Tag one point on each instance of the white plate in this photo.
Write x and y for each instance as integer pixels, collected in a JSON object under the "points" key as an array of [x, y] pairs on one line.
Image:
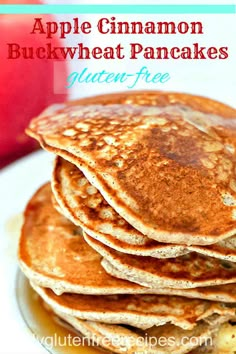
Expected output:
{"points": [[17, 183]]}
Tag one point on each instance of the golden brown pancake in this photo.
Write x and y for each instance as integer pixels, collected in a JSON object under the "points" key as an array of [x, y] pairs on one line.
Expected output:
{"points": [[53, 254], [168, 171], [85, 206], [141, 311], [188, 271]]}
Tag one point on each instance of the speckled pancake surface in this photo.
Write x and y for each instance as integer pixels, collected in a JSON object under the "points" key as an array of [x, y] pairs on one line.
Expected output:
{"points": [[85, 206], [53, 254], [141, 311], [188, 271]]}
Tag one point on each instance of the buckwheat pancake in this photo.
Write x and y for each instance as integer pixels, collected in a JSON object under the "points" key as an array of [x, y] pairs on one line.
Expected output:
{"points": [[168, 171], [188, 271], [53, 254], [225, 249], [141, 311], [120, 339], [85, 206]]}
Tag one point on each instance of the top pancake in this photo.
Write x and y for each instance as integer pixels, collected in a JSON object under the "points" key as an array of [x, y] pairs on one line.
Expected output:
{"points": [[160, 99], [168, 171]]}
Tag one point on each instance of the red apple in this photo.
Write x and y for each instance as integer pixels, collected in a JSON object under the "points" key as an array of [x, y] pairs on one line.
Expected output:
{"points": [[26, 85]]}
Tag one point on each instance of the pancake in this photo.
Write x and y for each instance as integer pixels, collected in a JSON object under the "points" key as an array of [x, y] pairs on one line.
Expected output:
{"points": [[120, 339], [53, 254], [84, 205], [169, 171], [188, 271], [159, 99], [220, 339], [225, 249], [141, 311]]}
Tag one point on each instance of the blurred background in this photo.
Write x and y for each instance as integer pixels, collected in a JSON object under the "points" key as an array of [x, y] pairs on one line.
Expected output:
{"points": [[29, 86]]}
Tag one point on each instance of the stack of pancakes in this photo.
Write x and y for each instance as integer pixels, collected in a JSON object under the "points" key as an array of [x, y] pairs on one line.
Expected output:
{"points": [[135, 237]]}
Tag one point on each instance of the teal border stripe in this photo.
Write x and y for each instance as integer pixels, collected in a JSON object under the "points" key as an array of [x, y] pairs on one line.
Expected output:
{"points": [[117, 9]]}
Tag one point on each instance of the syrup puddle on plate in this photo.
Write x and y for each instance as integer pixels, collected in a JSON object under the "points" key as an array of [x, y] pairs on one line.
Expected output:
{"points": [[55, 338]]}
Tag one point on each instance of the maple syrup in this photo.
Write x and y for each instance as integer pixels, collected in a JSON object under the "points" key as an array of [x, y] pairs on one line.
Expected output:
{"points": [[42, 325]]}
